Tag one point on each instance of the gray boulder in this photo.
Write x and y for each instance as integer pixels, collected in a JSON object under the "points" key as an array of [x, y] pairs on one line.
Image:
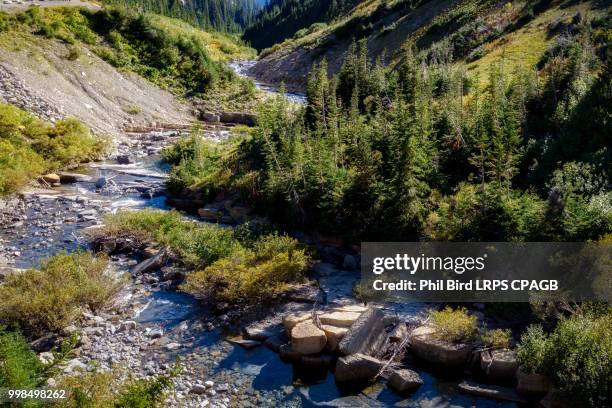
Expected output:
{"points": [[357, 367], [366, 335], [405, 380]]}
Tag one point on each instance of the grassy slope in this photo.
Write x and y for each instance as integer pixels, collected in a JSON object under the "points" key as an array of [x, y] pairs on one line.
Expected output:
{"points": [[393, 32], [221, 47]]}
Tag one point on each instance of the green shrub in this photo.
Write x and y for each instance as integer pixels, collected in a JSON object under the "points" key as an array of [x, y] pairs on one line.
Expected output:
{"points": [[454, 326], [19, 366], [196, 244], [251, 275], [532, 350], [53, 297], [29, 146], [106, 389], [577, 355], [497, 339]]}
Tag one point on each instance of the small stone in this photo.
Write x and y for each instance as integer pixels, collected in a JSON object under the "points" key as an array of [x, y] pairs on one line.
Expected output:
{"points": [[128, 325], [46, 357], [198, 389]]}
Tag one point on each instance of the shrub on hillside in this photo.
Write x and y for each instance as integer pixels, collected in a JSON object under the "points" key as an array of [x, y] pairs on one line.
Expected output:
{"points": [[29, 146], [54, 296], [454, 326]]}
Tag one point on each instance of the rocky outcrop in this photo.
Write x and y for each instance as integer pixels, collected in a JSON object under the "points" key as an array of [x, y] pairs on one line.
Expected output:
{"points": [[439, 352]]}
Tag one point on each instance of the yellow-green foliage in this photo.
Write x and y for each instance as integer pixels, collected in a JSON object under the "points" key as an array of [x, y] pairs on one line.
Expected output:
{"points": [[195, 243], [52, 297], [221, 46], [260, 273], [454, 326], [106, 389], [497, 339], [29, 146], [232, 267]]}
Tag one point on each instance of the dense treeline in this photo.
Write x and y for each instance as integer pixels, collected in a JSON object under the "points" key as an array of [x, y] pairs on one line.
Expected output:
{"points": [[425, 152], [281, 19], [220, 15]]}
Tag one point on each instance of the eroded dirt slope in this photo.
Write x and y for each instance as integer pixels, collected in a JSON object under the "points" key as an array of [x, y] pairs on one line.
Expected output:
{"points": [[41, 78]]}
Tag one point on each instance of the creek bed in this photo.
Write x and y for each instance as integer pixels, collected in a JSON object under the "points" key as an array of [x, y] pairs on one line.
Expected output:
{"points": [[45, 222]]}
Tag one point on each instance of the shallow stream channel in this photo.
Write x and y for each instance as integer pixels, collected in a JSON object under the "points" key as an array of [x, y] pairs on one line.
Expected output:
{"points": [[152, 324]]}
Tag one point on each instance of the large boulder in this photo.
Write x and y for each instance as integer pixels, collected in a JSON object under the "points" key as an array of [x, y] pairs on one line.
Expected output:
{"points": [[291, 320], [307, 338], [357, 367], [499, 364], [439, 352], [532, 383], [405, 380], [340, 318], [366, 335], [334, 336]]}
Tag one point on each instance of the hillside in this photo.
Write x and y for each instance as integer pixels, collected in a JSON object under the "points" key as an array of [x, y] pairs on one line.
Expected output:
{"points": [[110, 78], [282, 19], [219, 15], [475, 32]]}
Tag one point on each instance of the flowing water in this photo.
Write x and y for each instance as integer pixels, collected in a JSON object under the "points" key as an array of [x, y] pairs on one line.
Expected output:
{"points": [[46, 222]]}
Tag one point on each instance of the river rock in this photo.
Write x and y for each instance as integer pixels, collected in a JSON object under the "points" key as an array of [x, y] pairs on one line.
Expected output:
{"points": [[50, 178], [366, 335], [307, 338], [439, 352], [124, 159], [288, 353], [238, 118], [349, 262], [46, 357], [210, 117], [68, 178], [405, 380], [357, 367], [245, 343], [150, 264], [491, 391], [128, 325], [291, 320], [334, 336], [198, 389], [339, 318], [239, 214], [399, 333], [210, 214], [101, 182], [532, 384], [499, 364]]}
